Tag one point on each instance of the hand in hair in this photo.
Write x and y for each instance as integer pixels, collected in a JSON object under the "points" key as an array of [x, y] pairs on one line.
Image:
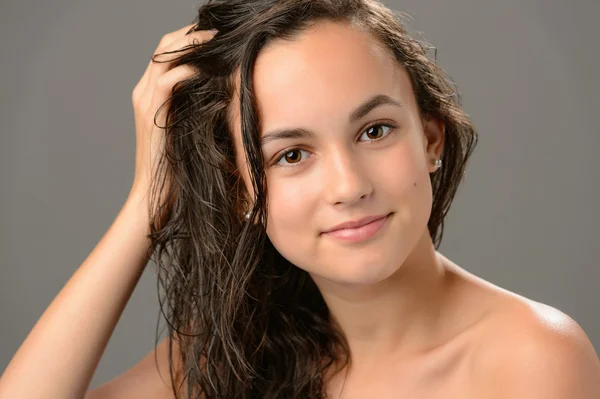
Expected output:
{"points": [[150, 100]]}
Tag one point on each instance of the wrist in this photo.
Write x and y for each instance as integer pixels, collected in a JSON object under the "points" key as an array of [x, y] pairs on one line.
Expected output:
{"points": [[135, 208]]}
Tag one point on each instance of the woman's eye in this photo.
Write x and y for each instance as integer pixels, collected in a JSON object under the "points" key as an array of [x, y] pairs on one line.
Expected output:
{"points": [[375, 130], [292, 156]]}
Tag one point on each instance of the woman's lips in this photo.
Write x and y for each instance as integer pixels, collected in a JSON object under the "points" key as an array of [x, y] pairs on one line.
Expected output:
{"points": [[361, 233]]}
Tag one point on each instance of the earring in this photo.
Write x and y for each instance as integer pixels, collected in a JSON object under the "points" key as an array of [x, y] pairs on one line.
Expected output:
{"points": [[247, 215], [438, 163]]}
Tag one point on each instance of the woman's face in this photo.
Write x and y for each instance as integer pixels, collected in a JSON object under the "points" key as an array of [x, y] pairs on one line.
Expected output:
{"points": [[340, 169]]}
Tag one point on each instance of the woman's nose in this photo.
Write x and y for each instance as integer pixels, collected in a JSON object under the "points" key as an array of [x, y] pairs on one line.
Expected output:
{"points": [[347, 178]]}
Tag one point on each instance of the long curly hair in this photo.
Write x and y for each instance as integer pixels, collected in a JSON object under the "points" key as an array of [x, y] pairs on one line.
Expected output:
{"points": [[248, 323]]}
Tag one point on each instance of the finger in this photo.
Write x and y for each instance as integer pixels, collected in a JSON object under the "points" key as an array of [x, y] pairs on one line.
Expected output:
{"points": [[157, 69], [140, 88], [162, 55], [171, 36], [167, 81], [164, 88]]}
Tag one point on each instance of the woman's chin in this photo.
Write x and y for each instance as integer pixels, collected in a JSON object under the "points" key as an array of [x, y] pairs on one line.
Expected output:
{"points": [[355, 274]]}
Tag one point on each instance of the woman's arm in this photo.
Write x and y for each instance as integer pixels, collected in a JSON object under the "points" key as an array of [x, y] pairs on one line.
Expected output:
{"points": [[59, 356]]}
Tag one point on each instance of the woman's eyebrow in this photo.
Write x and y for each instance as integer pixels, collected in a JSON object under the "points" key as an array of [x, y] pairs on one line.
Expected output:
{"points": [[361, 111]]}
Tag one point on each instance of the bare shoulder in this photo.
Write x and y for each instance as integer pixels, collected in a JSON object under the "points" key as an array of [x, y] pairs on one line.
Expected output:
{"points": [[150, 378], [527, 349], [520, 348]]}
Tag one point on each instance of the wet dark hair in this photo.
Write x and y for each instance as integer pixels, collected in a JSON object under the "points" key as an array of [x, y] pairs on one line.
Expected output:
{"points": [[248, 323]]}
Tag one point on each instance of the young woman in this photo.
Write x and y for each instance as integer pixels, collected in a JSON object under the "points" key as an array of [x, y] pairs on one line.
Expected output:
{"points": [[292, 176]]}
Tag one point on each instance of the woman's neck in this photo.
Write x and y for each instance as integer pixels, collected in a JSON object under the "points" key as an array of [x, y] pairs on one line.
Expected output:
{"points": [[399, 316]]}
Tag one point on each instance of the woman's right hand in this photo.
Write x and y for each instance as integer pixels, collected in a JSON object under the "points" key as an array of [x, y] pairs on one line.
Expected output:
{"points": [[153, 89]]}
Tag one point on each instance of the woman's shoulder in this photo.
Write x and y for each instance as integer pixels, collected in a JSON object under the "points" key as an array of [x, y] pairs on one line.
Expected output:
{"points": [[518, 323], [503, 311], [521, 340]]}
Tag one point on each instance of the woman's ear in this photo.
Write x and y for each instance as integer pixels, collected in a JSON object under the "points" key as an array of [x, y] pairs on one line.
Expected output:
{"points": [[434, 135]]}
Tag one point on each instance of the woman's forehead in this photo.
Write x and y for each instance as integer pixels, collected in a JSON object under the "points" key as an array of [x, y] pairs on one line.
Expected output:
{"points": [[320, 77]]}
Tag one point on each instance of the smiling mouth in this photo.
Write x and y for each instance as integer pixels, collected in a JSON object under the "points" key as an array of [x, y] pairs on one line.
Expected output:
{"points": [[361, 233]]}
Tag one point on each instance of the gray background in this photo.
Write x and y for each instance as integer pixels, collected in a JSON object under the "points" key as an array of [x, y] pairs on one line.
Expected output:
{"points": [[525, 218]]}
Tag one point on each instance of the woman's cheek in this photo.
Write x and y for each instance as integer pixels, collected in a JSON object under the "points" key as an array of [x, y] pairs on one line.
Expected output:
{"points": [[287, 205], [408, 184], [401, 170]]}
